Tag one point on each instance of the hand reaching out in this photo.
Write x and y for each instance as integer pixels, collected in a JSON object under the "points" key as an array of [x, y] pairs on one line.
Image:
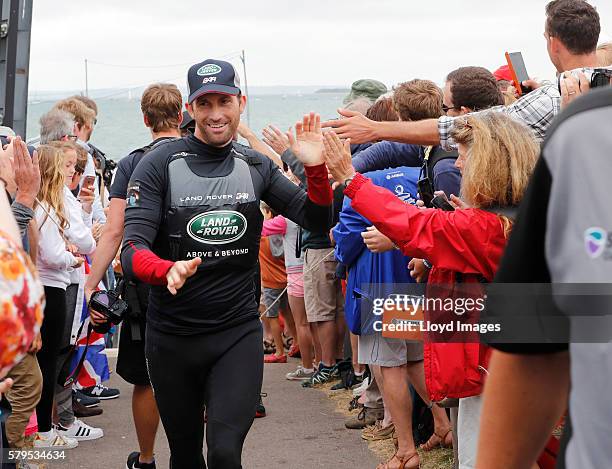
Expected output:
{"points": [[355, 126], [275, 139], [180, 272], [308, 140], [338, 157]]}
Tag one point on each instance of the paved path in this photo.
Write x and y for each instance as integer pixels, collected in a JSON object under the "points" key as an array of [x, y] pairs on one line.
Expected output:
{"points": [[301, 431]]}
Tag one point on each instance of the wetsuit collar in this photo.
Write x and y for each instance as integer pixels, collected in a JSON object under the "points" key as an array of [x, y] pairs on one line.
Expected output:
{"points": [[209, 150]]}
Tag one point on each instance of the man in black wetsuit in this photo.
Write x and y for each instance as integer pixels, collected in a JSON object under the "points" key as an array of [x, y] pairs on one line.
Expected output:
{"points": [[192, 230]]}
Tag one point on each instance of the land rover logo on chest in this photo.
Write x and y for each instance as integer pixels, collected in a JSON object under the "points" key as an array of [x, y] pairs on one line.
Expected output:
{"points": [[219, 227], [208, 69]]}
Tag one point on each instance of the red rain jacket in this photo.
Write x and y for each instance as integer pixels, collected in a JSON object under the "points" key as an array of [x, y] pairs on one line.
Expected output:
{"points": [[469, 241]]}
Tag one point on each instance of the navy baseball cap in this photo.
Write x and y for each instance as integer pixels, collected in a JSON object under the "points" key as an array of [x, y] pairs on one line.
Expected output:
{"points": [[212, 76]]}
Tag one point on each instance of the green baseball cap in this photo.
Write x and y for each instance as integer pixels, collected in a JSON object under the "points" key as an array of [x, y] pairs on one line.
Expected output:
{"points": [[366, 88]]}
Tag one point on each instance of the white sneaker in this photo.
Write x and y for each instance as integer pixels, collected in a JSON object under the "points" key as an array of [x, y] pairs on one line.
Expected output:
{"points": [[300, 374], [54, 441], [80, 431], [359, 390]]}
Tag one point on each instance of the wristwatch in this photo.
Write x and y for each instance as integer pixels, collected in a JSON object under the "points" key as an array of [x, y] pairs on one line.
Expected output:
{"points": [[427, 264], [347, 181]]}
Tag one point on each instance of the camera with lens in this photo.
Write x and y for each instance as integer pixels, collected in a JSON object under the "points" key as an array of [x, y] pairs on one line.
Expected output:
{"points": [[597, 77], [109, 304]]}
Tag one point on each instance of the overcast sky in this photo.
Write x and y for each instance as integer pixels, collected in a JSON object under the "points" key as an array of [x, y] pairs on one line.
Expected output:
{"points": [[331, 42]]}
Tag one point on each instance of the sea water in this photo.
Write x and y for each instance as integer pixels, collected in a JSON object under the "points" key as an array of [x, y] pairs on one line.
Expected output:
{"points": [[120, 128]]}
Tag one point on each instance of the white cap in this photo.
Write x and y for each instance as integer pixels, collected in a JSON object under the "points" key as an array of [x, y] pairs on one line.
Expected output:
{"points": [[6, 131]]}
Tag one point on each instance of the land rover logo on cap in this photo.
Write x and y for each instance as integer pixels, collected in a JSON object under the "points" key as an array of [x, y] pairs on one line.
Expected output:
{"points": [[219, 227], [208, 69]]}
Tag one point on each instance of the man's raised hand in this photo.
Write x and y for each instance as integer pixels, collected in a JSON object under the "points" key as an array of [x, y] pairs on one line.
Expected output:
{"points": [[355, 126], [308, 140], [180, 272]]}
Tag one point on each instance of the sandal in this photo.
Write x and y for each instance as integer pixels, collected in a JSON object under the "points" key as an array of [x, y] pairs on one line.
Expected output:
{"points": [[268, 347], [287, 341], [437, 440], [402, 461]]}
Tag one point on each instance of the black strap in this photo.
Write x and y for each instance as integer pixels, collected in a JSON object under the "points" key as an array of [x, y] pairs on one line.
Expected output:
{"points": [[298, 243], [71, 378], [133, 300], [433, 155]]}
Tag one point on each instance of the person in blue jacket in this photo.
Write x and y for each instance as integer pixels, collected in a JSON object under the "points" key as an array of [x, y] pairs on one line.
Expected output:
{"points": [[373, 276]]}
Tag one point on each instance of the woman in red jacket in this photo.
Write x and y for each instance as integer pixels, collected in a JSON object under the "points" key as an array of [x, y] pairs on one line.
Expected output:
{"points": [[496, 158]]}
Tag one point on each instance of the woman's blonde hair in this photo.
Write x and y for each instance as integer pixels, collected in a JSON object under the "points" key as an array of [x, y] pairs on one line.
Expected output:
{"points": [[604, 55], [51, 193], [501, 156]]}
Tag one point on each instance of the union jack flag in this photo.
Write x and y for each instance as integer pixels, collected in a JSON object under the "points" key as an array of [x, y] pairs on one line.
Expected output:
{"points": [[95, 367]]}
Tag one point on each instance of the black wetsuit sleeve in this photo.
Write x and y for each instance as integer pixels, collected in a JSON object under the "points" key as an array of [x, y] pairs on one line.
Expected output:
{"points": [[293, 202], [118, 189], [295, 165]]}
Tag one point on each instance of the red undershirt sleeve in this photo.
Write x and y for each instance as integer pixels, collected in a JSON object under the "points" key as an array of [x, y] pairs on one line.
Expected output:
{"points": [[319, 190]]}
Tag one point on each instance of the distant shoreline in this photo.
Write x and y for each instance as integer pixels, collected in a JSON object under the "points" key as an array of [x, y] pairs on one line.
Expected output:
{"points": [[333, 90]]}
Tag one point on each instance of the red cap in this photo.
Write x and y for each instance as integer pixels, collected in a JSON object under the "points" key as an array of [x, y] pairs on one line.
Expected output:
{"points": [[503, 73]]}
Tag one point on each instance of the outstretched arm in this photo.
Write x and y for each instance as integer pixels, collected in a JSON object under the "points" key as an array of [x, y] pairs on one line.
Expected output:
{"points": [[245, 132], [360, 129], [312, 210], [448, 239]]}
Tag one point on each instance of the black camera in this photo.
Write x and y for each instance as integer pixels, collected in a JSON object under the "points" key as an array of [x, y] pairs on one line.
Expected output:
{"points": [[111, 306], [597, 77]]}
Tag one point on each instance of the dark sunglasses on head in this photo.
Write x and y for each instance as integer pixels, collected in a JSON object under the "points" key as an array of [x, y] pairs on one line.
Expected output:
{"points": [[446, 108]]}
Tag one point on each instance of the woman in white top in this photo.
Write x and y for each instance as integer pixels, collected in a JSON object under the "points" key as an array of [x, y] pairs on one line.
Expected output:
{"points": [[54, 263], [79, 212]]}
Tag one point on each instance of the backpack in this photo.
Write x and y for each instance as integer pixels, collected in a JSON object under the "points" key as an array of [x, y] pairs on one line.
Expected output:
{"points": [[433, 155]]}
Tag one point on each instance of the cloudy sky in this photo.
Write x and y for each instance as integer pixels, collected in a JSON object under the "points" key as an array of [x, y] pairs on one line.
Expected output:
{"points": [[331, 42]]}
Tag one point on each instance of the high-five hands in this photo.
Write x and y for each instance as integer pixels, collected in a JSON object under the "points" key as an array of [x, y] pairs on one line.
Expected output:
{"points": [[308, 140], [353, 125], [180, 272], [338, 157], [27, 172], [275, 139]]}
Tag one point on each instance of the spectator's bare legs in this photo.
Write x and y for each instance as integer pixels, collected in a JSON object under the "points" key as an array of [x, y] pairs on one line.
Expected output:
{"points": [[146, 420], [326, 331], [302, 327], [357, 367], [289, 323], [532, 389], [316, 342], [399, 403], [380, 382], [267, 335], [340, 331], [416, 375], [277, 335]]}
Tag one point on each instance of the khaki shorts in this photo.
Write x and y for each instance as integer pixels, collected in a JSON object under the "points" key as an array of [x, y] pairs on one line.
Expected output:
{"points": [[374, 349], [322, 291]]}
